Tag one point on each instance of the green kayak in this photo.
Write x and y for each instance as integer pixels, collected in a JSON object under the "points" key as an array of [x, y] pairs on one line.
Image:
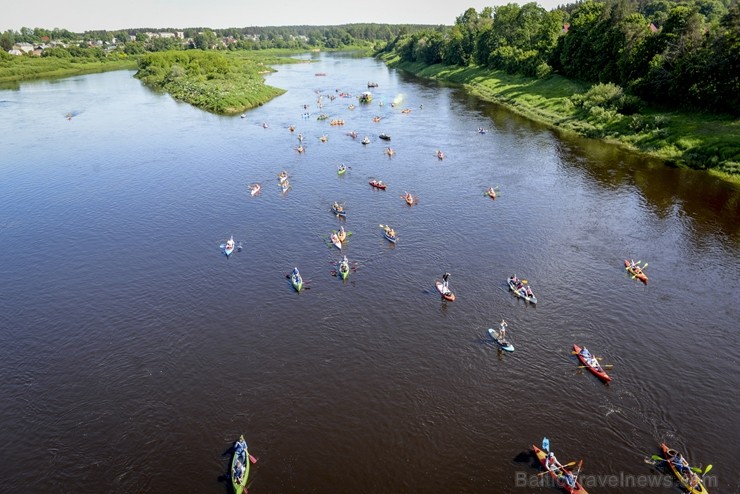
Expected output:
{"points": [[240, 466]]}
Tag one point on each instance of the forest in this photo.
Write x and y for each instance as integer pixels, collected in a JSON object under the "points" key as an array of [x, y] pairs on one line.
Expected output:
{"points": [[676, 54]]}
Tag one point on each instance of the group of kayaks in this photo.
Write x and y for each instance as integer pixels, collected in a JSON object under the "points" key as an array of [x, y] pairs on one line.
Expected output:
{"points": [[690, 478]]}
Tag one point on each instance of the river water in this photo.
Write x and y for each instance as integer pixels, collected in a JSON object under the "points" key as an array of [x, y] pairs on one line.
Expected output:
{"points": [[133, 352]]}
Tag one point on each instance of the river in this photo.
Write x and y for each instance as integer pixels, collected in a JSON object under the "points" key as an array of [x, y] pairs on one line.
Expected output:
{"points": [[133, 352]]}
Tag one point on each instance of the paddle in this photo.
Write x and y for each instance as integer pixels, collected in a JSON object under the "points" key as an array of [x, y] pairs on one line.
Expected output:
{"points": [[693, 469], [252, 458], [556, 469], [597, 358], [605, 366]]}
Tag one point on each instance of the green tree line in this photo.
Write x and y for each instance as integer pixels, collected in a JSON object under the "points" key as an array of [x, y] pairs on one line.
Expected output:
{"points": [[136, 41], [683, 54]]}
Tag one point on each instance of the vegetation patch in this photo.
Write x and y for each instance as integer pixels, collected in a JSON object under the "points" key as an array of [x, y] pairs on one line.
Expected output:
{"points": [[209, 80]]}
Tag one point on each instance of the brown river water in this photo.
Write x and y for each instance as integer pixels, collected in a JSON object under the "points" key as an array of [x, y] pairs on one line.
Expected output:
{"points": [[133, 352]]}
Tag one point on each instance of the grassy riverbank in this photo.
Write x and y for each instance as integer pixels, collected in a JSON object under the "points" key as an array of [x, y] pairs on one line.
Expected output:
{"points": [[17, 69], [695, 140], [212, 81]]}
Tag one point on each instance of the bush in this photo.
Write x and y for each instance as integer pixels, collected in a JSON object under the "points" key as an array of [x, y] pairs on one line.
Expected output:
{"points": [[603, 95]]}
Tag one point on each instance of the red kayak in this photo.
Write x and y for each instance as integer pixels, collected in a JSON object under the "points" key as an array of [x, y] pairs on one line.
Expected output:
{"points": [[636, 272], [378, 184], [591, 363], [558, 474]]}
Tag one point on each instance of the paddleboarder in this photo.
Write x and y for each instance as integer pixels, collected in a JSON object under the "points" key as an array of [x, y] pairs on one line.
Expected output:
{"points": [[502, 331], [444, 280]]}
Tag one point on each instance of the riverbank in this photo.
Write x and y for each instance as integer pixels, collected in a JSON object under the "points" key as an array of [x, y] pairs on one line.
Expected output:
{"points": [[17, 69], [694, 140]]}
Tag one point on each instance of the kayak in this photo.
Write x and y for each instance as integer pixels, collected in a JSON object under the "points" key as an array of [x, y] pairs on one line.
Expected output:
{"points": [[343, 269], [378, 184], [531, 299], [341, 170], [391, 238], [282, 177], [409, 199], [636, 272], [239, 486], [440, 155], [693, 484], [445, 292], [592, 364], [556, 475], [385, 137], [503, 344], [296, 280], [229, 248], [338, 211], [254, 189], [491, 193], [334, 238]]}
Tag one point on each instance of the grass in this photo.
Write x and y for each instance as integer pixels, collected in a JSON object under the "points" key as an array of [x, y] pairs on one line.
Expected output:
{"points": [[694, 140], [22, 68]]}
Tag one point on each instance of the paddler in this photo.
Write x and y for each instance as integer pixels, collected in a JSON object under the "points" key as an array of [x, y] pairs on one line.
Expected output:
{"points": [[502, 332], [445, 277]]}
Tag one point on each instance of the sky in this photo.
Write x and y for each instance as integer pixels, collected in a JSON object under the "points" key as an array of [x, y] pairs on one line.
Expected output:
{"points": [[86, 15]]}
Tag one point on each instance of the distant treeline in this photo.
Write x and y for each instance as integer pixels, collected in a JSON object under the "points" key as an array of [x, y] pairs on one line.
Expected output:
{"points": [[140, 40], [675, 53]]}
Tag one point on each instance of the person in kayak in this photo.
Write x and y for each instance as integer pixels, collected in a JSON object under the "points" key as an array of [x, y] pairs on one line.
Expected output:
{"points": [[681, 464], [241, 448], [569, 479], [551, 463], [445, 281], [238, 471], [514, 279]]}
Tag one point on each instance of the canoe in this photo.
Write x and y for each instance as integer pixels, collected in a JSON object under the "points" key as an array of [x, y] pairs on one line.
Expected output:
{"points": [[377, 184], [556, 475], [254, 189], [338, 212], [343, 269], [503, 344], [445, 292], [409, 199], [693, 484], [512, 286], [365, 140], [636, 272], [296, 280], [282, 177], [593, 365], [229, 247], [335, 240], [239, 486], [491, 193], [341, 171], [440, 155], [388, 236], [342, 235], [385, 137]]}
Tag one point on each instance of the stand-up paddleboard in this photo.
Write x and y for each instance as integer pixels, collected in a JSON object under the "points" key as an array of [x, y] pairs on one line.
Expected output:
{"points": [[502, 343]]}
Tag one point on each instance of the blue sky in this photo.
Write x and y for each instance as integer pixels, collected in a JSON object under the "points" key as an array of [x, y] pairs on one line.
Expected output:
{"points": [[84, 15]]}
